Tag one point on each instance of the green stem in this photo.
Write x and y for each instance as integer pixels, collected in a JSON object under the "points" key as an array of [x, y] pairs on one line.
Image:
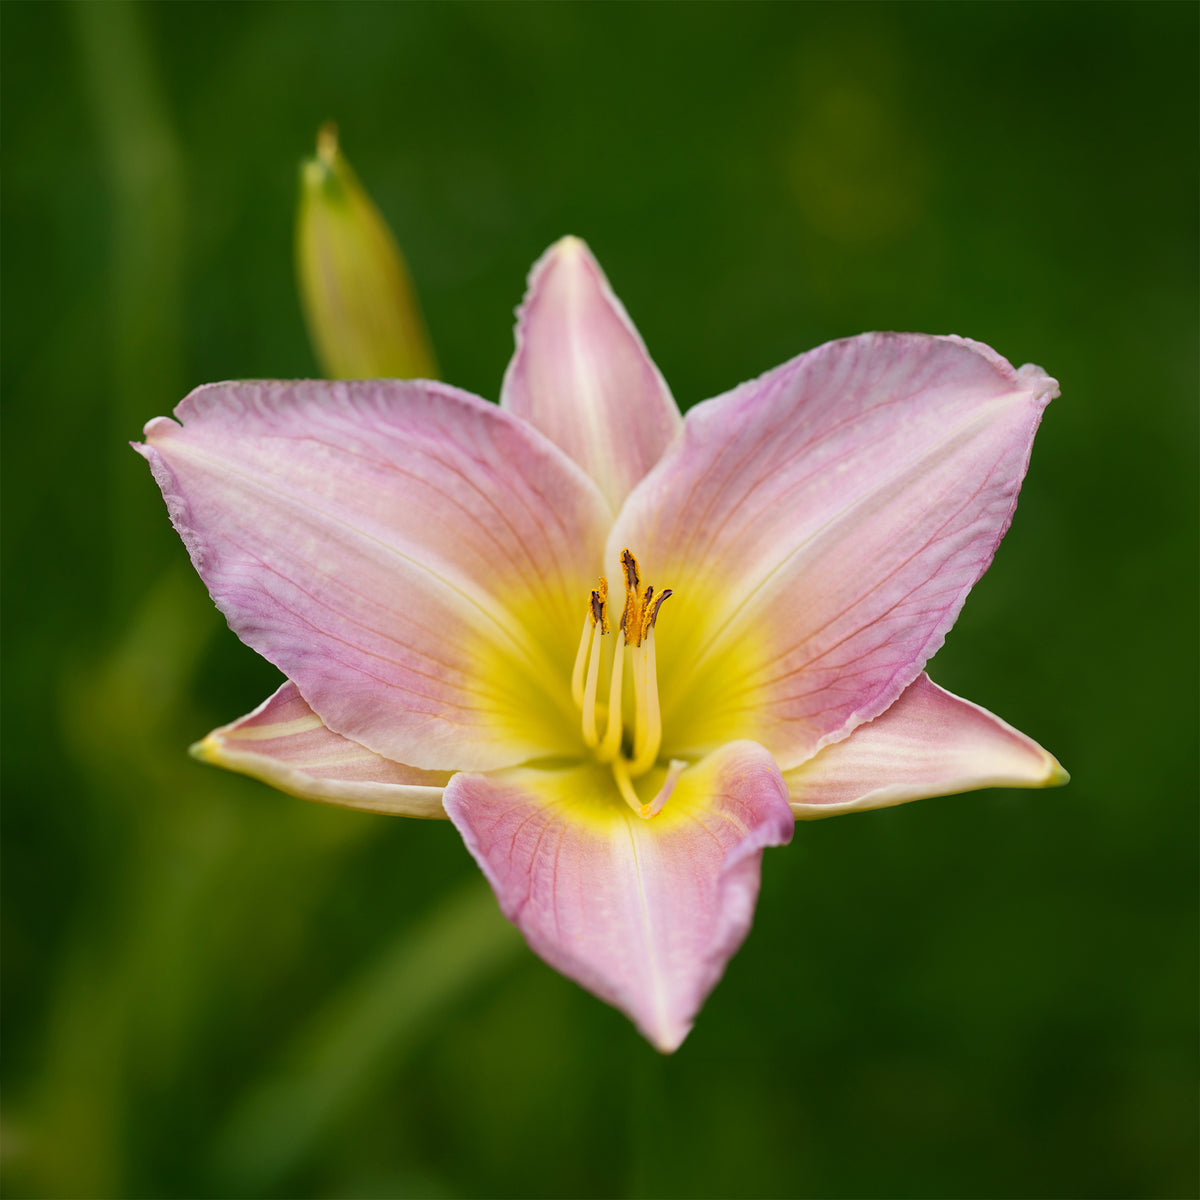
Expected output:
{"points": [[358, 1040]]}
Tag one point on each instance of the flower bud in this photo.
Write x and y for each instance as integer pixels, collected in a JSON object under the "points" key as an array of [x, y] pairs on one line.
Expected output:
{"points": [[362, 312]]}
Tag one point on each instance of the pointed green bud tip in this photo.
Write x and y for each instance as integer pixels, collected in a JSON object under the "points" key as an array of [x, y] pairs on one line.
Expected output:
{"points": [[362, 312]]}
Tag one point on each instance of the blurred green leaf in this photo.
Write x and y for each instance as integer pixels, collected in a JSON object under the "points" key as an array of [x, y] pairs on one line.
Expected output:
{"points": [[358, 1041]]}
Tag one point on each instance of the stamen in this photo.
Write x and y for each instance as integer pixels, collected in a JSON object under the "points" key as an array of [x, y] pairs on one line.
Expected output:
{"points": [[648, 739], [650, 616], [597, 614], [589, 691], [581, 658], [638, 662], [599, 604], [633, 576], [631, 617], [636, 633], [611, 746]]}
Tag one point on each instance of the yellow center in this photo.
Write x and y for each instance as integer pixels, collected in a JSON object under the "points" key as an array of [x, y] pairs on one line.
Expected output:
{"points": [[634, 754]]}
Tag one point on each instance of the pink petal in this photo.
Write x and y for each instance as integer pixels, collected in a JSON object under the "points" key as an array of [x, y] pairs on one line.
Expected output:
{"points": [[821, 527], [283, 743], [929, 743], [582, 376], [644, 913], [414, 559]]}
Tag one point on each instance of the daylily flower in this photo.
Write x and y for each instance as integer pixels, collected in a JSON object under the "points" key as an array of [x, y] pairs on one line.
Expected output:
{"points": [[619, 648]]}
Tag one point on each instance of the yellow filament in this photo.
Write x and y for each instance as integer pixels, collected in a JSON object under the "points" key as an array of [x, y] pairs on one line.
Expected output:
{"points": [[638, 662], [637, 634], [589, 691], [648, 737], [611, 745], [581, 659]]}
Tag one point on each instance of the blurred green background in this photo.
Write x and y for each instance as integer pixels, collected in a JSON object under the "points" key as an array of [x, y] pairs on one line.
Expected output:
{"points": [[211, 989]]}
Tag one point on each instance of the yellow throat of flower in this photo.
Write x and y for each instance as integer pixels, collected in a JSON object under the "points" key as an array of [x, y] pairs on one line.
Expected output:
{"points": [[635, 631]]}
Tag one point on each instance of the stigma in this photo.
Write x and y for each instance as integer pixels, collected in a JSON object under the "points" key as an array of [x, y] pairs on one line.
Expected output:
{"points": [[631, 752]]}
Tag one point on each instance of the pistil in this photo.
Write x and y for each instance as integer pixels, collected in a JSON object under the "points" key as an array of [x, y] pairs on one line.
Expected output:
{"points": [[675, 768]]}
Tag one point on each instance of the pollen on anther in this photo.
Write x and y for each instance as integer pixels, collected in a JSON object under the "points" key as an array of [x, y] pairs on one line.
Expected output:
{"points": [[599, 605], [633, 576], [632, 615], [650, 614]]}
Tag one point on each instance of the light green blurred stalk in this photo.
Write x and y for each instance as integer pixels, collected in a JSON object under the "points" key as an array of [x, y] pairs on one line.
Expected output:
{"points": [[363, 317], [358, 1040], [79, 1100], [143, 165]]}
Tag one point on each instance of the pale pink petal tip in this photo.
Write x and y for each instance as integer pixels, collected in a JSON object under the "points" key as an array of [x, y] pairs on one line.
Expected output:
{"points": [[582, 376], [1029, 378], [284, 743], [644, 913], [929, 743], [1043, 387]]}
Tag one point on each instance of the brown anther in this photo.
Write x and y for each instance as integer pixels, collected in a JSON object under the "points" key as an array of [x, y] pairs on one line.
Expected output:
{"points": [[633, 576], [641, 606], [665, 596], [631, 615], [599, 605], [650, 614], [631, 619]]}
